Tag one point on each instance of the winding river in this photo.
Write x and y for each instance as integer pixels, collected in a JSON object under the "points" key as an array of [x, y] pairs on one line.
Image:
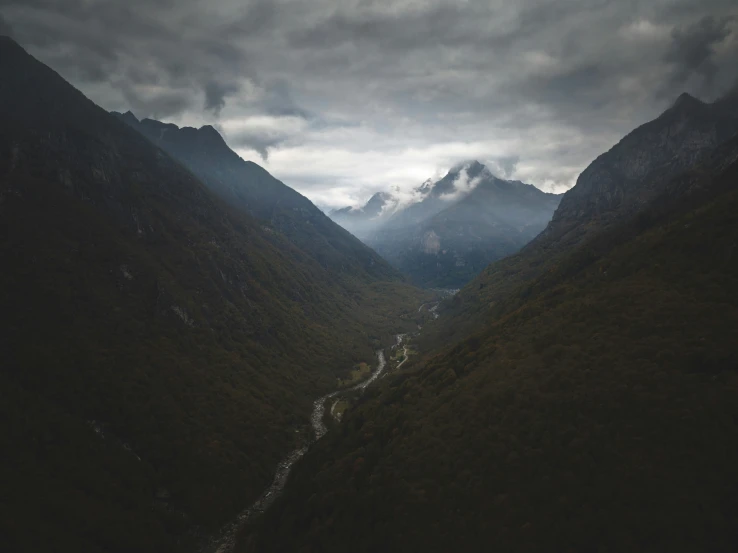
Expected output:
{"points": [[226, 539]]}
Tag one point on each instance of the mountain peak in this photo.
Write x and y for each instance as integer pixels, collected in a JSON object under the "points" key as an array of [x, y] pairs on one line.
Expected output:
{"points": [[211, 133], [685, 101], [153, 123], [209, 129], [426, 186], [470, 165], [376, 203], [127, 117], [378, 196]]}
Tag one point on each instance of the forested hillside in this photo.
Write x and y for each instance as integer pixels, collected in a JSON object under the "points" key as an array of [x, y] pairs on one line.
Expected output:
{"points": [[617, 186], [593, 410], [250, 188], [160, 349], [508, 323]]}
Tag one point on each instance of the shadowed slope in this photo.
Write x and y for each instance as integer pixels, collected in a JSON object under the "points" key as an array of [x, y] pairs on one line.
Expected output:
{"points": [[159, 348], [247, 186]]}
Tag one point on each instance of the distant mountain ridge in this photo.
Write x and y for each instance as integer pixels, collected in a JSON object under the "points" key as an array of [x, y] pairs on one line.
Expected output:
{"points": [[249, 187], [373, 207], [361, 221], [458, 225]]}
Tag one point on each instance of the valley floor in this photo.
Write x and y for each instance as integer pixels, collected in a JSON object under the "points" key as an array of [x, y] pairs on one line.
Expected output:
{"points": [[338, 402]]}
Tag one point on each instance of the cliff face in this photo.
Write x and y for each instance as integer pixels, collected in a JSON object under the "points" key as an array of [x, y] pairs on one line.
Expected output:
{"points": [[621, 181]]}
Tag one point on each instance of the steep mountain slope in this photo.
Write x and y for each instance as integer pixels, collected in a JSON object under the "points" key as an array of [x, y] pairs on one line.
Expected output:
{"points": [[597, 413], [160, 349], [466, 220], [249, 187], [637, 169], [613, 189]]}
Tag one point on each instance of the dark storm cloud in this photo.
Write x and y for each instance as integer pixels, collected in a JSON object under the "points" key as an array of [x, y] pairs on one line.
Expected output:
{"points": [[692, 50], [215, 95], [156, 57], [260, 142], [503, 167], [355, 92], [579, 85], [475, 24], [279, 101], [158, 106], [442, 24], [259, 17], [5, 28]]}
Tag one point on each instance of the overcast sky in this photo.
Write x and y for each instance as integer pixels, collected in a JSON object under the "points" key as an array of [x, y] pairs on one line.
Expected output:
{"points": [[340, 98]]}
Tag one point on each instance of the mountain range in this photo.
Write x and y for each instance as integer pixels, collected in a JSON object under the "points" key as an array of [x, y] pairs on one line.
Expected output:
{"points": [[576, 396], [457, 226], [616, 186], [171, 311], [640, 167]]}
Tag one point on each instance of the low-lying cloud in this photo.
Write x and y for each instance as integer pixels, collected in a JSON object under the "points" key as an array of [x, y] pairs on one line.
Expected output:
{"points": [[463, 185], [263, 132], [692, 51]]}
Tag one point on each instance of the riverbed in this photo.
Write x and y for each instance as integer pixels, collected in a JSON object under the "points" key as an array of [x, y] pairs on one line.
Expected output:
{"points": [[226, 539]]}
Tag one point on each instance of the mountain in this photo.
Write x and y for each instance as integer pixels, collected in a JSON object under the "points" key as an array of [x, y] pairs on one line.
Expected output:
{"points": [[161, 349], [461, 223], [589, 407], [362, 221], [612, 190], [250, 188], [637, 169]]}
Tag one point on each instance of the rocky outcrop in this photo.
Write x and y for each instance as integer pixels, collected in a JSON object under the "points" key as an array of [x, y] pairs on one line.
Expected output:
{"points": [[627, 177]]}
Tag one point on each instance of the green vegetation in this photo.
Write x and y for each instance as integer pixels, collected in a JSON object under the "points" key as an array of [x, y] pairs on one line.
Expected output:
{"points": [[408, 353], [358, 373], [134, 300], [340, 408], [400, 355], [592, 409]]}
